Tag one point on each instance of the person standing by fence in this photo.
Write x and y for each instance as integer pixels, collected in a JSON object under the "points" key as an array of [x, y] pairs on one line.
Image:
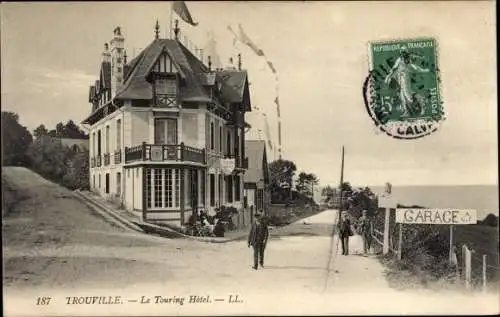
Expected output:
{"points": [[364, 229], [345, 232], [257, 238]]}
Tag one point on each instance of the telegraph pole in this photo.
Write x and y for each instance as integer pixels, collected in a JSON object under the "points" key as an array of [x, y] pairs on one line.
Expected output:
{"points": [[341, 182]]}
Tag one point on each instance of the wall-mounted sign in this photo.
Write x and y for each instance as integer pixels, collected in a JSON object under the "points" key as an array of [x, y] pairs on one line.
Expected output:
{"points": [[227, 166]]}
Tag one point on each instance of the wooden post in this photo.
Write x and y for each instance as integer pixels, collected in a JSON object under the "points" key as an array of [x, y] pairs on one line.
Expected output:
{"points": [[400, 242], [467, 267], [484, 272], [386, 231], [450, 256]]}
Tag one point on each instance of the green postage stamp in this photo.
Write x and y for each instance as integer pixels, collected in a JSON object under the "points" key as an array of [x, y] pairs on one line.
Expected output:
{"points": [[402, 92]]}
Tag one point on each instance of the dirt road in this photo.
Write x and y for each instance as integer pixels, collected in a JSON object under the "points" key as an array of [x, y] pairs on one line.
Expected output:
{"points": [[56, 247]]}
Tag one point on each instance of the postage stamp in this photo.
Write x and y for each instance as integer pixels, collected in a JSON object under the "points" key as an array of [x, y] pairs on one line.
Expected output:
{"points": [[402, 91]]}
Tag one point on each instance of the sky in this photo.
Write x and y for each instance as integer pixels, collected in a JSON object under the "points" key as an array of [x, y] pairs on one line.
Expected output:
{"points": [[51, 54]]}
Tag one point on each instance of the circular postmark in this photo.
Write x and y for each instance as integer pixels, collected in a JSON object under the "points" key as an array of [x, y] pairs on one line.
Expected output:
{"points": [[402, 92]]}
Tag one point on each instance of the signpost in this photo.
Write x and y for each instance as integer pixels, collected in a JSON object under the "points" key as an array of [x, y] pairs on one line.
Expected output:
{"points": [[437, 217], [386, 201]]}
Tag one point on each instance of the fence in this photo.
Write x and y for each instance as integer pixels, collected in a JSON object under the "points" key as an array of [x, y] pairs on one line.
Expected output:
{"points": [[427, 246]]}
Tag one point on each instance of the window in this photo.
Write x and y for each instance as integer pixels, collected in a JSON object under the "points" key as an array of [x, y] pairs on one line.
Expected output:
{"points": [[93, 144], [118, 184], [228, 142], [165, 131], [157, 190], [237, 143], [229, 188], [93, 181], [212, 141], [106, 188], [237, 188], [99, 144], [166, 87], [118, 134], [220, 139], [107, 139], [220, 189], [162, 188], [212, 190], [187, 187], [99, 180], [128, 173]]}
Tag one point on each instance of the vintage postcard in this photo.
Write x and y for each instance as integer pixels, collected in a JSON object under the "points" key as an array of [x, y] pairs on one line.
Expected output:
{"points": [[260, 158]]}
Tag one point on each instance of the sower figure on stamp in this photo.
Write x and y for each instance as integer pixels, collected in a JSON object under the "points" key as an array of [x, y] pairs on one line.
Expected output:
{"points": [[345, 231], [365, 227], [257, 238]]}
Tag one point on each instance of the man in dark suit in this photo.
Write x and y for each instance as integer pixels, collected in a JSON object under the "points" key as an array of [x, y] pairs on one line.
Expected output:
{"points": [[345, 232], [365, 230], [257, 238]]}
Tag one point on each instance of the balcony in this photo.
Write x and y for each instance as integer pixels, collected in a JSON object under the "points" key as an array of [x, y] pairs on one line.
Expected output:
{"points": [[92, 162], [118, 156], [106, 159], [165, 152], [98, 162], [165, 101]]}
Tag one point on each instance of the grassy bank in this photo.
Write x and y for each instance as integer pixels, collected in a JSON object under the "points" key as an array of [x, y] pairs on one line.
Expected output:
{"points": [[425, 254], [11, 196]]}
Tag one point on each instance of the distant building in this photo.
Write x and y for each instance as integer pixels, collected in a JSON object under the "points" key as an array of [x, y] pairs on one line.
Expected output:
{"points": [[167, 131], [257, 176], [77, 145]]}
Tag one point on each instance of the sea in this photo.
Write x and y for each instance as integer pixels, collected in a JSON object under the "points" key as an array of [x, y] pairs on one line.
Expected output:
{"points": [[483, 198]]}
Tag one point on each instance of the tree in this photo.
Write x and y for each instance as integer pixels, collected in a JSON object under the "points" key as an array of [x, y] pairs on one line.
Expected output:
{"points": [[16, 139], [59, 129], [40, 130], [306, 182], [329, 193], [281, 173], [490, 220]]}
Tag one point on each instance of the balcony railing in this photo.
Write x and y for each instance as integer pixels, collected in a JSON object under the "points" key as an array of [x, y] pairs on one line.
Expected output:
{"points": [[92, 162], [165, 101], [165, 152], [106, 159], [118, 156]]}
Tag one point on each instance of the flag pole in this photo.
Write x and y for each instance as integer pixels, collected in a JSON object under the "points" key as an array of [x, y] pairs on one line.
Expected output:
{"points": [[171, 22]]}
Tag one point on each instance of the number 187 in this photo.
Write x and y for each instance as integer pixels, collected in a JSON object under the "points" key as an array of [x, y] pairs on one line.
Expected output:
{"points": [[42, 301]]}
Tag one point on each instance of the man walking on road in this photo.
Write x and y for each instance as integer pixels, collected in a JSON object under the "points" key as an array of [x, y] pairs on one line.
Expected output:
{"points": [[345, 232], [365, 227], [257, 238]]}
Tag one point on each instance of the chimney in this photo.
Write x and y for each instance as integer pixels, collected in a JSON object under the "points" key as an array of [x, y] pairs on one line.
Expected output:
{"points": [[231, 64], [239, 61], [117, 61], [209, 63], [106, 56]]}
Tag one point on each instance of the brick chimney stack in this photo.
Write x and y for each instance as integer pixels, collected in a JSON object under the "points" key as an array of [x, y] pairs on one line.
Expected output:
{"points": [[117, 61]]}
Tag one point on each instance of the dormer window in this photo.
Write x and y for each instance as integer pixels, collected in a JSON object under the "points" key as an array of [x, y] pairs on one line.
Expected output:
{"points": [[166, 92]]}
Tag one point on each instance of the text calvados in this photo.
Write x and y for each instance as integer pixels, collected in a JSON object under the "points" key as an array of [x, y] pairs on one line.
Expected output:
{"points": [[436, 216]]}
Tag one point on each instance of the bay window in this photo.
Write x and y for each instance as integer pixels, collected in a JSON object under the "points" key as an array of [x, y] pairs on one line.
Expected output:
{"points": [[162, 188]]}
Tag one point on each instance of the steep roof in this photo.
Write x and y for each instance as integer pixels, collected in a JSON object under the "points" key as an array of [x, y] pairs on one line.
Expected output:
{"points": [[106, 75], [195, 74], [255, 150]]}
